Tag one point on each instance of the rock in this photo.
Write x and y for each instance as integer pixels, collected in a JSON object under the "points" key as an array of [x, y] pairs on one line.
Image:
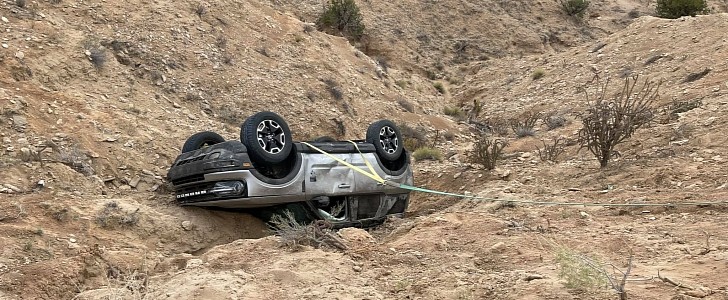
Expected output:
{"points": [[72, 240], [584, 215], [457, 175], [4, 45], [356, 235], [194, 263], [134, 182], [20, 121], [530, 277], [13, 188], [187, 225], [498, 247], [5, 20], [357, 268], [19, 55]]}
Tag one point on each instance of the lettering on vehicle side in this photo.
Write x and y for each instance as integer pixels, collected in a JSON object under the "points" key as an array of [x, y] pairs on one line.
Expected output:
{"points": [[185, 195]]}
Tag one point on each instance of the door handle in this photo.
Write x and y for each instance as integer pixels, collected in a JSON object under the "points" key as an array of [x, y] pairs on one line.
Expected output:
{"points": [[344, 186]]}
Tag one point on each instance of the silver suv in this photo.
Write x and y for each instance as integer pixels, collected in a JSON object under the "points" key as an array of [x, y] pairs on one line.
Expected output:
{"points": [[266, 172]]}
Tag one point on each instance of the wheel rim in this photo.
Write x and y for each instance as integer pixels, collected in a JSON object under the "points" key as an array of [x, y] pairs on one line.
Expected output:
{"points": [[271, 136], [388, 139]]}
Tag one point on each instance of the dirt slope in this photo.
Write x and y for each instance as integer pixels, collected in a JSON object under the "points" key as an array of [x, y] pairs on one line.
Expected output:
{"points": [[97, 97]]}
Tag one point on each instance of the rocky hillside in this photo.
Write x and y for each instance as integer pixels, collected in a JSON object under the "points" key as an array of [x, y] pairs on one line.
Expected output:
{"points": [[96, 98]]}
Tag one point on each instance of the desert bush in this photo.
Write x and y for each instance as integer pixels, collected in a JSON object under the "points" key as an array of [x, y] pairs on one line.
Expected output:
{"points": [[76, 159], [551, 151], [538, 74], [98, 58], [112, 215], [439, 87], [488, 151], [584, 273], [455, 112], [611, 119], [406, 105], [334, 89], [343, 17], [413, 137], [554, 120], [574, 7], [294, 234], [524, 125], [498, 126], [676, 107], [696, 76], [673, 9], [425, 153]]}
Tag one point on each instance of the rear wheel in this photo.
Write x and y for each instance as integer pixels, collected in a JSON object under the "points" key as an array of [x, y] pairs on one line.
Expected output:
{"points": [[267, 137], [386, 138], [200, 140]]}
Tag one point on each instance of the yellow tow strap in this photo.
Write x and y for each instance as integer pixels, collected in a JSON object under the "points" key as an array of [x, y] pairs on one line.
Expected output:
{"points": [[372, 175]]}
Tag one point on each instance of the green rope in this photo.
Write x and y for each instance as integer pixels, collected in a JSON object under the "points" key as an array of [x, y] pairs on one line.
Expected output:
{"points": [[423, 190]]}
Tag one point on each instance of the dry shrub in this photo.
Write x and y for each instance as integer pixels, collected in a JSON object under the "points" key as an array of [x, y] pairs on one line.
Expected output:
{"points": [[553, 120], [488, 151], [498, 126], [611, 119], [426, 153], [551, 151], [112, 216], [76, 159], [334, 89], [294, 234], [406, 105], [414, 137], [524, 125]]}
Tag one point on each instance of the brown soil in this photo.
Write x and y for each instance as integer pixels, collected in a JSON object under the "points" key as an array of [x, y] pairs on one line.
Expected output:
{"points": [[96, 98]]}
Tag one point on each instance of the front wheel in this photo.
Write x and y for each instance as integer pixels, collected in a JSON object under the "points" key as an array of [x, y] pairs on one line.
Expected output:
{"points": [[200, 140], [386, 138], [267, 137]]}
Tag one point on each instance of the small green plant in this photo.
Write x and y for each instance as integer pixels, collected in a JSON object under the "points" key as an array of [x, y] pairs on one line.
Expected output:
{"points": [[439, 87], [574, 7], [425, 153], [343, 17], [538, 74], [576, 272], [587, 273], [673, 9], [455, 112]]}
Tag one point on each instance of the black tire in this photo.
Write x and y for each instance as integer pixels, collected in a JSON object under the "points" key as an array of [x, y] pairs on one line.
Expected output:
{"points": [[201, 139], [386, 139], [324, 139], [267, 137]]}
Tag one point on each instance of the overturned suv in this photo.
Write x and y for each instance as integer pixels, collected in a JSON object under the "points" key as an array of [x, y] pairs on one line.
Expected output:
{"points": [[266, 172]]}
